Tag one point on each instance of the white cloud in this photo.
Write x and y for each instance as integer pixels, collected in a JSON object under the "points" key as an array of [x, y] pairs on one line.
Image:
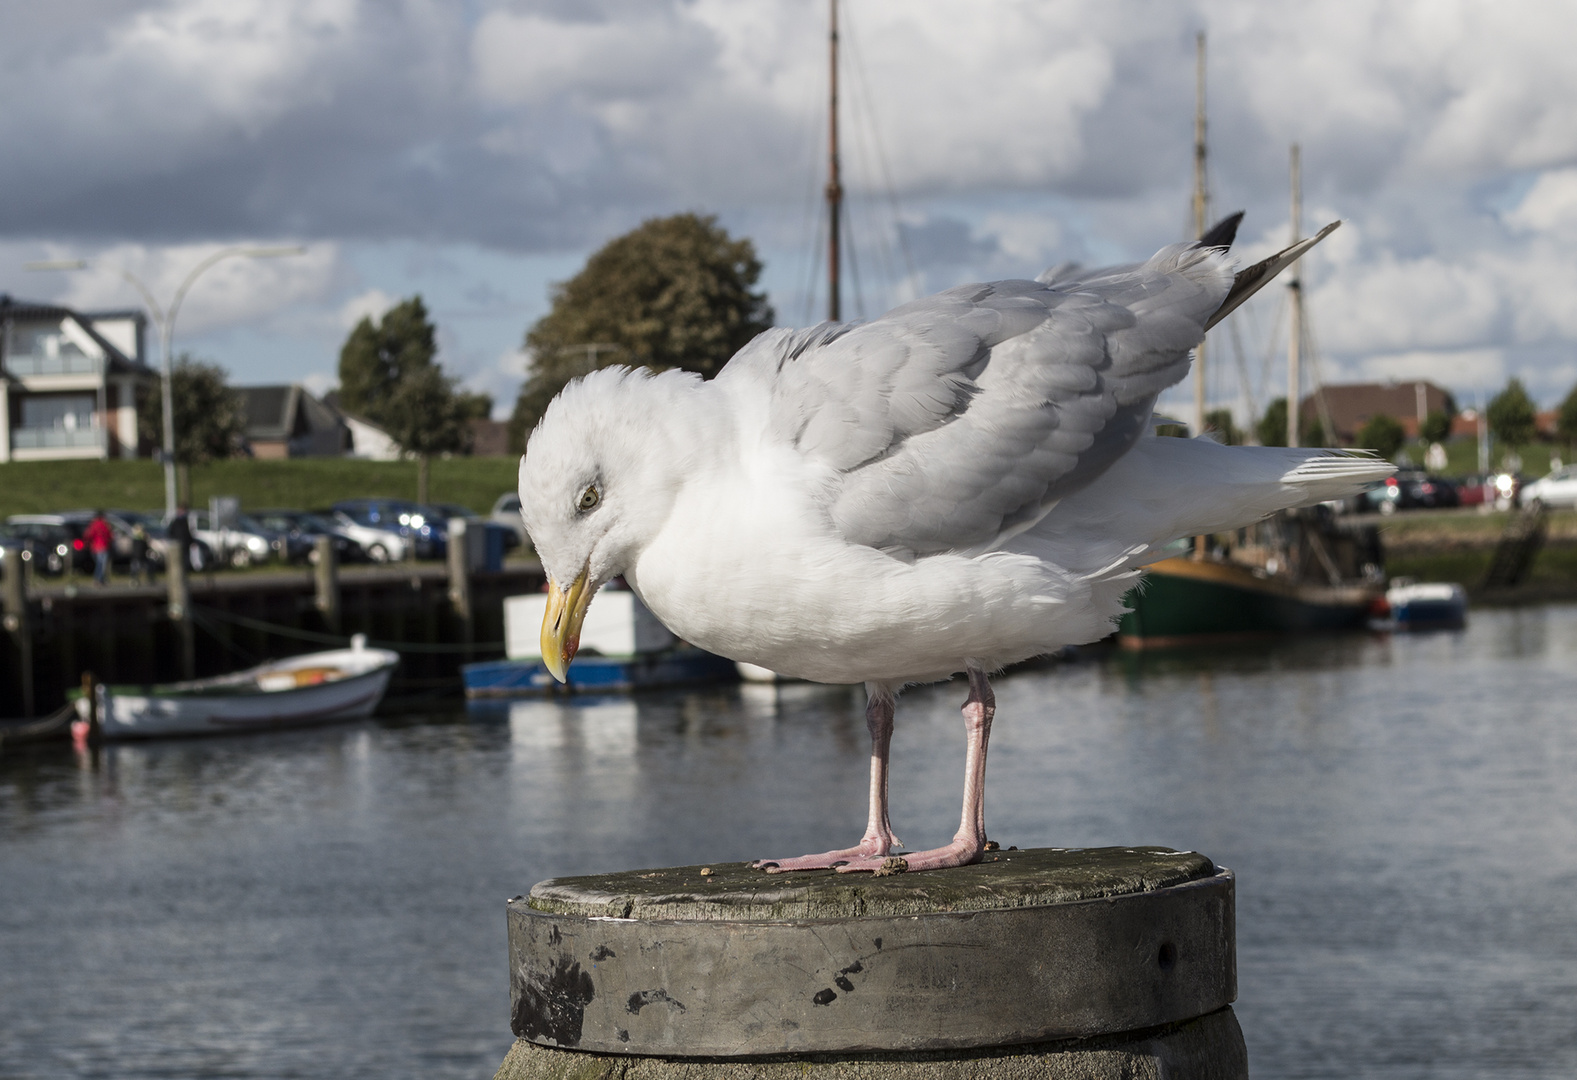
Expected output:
{"points": [[1478, 368], [320, 383], [370, 304], [235, 291]]}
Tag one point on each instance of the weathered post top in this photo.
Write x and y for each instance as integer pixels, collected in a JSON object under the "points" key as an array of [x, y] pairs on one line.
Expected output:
{"points": [[725, 962]]}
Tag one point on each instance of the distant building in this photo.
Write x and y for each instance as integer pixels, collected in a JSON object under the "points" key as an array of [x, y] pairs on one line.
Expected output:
{"points": [[489, 438], [1352, 405], [286, 421], [70, 382]]}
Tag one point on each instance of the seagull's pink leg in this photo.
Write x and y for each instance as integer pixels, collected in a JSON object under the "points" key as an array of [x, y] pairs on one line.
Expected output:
{"points": [[969, 843], [879, 838]]}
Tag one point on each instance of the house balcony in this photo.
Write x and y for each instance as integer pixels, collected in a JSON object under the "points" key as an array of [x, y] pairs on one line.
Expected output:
{"points": [[41, 443], [24, 365]]}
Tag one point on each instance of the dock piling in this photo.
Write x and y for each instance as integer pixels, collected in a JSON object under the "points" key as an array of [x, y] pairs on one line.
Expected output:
{"points": [[326, 577], [460, 576], [180, 606], [17, 622]]}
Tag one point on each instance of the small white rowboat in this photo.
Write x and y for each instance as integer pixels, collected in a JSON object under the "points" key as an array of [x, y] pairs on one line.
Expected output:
{"points": [[316, 688]]}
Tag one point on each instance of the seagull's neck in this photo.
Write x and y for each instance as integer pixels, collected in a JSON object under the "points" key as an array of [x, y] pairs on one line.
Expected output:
{"points": [[676, 435]]}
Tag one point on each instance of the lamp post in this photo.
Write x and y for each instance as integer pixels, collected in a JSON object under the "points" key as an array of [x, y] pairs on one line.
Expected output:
{"points": [[165, 317]]}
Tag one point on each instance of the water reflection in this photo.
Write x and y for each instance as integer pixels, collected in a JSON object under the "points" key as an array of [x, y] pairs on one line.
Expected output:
{"points": [[327, 903]]}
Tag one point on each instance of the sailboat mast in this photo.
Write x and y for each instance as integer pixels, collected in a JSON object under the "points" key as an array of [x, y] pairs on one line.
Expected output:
{"points": [[1295, 295], [834, 183], [1201, 209]]}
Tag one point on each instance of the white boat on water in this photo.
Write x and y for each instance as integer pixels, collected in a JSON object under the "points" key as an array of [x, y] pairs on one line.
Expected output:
{"points": [[315, 688]]}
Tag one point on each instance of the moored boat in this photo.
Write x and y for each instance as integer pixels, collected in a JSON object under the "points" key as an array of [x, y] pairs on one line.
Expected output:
{"points": [[1426, 605], [301, 691], [622, 647], [1297, 572]]}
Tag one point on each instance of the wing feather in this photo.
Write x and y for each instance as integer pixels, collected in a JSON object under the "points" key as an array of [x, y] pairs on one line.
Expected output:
{"points": [[957, 421]]}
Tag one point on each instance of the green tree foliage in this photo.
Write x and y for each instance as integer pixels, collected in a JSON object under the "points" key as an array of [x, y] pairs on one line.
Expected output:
{"points": [[1383, 434], [1220, 422], [389, 375], [1436, 426], [1511, 415], [1272, 427], [1566, 420], [675, 292], [208, 420], [378, 356]]}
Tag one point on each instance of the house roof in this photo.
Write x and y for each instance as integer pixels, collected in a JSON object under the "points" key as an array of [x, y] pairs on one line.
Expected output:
{"points": [[29, 310], [283, 411], [1352, 405]]}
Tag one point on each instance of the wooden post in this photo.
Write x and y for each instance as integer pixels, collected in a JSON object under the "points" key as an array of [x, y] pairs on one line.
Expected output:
{"points": [[460, 576], [180, 606], [326, 574], [17, 622]]}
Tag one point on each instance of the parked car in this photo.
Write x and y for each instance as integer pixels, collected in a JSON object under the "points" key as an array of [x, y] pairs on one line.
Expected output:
{"points": [[378, 544], [301, 531], [199, 556], [1559, 488], [473, 520], [506, 512], [412, 522], [1501, 490], [240, 545], [1412, 488], [10, 539], [56, 539]]}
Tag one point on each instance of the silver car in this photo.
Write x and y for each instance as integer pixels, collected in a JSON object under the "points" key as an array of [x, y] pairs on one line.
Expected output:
{"points": [[1559, 488]]}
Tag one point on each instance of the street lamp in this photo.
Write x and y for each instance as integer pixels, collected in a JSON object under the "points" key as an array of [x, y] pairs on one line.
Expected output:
{"points": [[166, 320]]}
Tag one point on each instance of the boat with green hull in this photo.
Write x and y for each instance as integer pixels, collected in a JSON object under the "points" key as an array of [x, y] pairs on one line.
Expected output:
{"points": [[1186, 601]]}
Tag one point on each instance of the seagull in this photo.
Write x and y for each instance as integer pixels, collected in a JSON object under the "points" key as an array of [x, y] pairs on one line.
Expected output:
{"points": [[968, 481]]}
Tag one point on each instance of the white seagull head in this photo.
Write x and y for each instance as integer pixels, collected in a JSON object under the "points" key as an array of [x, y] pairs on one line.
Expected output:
{"points": [[596, 482]]}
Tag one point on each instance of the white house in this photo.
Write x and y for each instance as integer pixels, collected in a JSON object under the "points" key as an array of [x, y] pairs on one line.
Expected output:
{"points": [[70, 381]]}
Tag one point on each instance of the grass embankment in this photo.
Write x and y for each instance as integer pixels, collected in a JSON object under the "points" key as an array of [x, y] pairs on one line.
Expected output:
{"points": [[38, 487], [1457, 545]]}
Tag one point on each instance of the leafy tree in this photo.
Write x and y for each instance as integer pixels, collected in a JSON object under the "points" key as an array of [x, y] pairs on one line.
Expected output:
{"points": [[1566, 420], [675, 292], [1220, 421], [389, 375], [377, 356], [1272, 427], [207, 413], [1383, 434], [1436, 426], [1511, 415]]}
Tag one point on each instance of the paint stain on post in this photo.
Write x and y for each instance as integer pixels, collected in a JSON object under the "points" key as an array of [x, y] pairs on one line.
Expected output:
{"points": [[642, 998], [552, 1005]]}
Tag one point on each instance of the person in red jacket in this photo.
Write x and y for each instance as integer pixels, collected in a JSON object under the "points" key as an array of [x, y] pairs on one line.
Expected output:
{"points": [[99, 537]]}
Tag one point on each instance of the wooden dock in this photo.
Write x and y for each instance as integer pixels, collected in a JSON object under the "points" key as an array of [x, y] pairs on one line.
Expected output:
{"points": [[435, 618]]}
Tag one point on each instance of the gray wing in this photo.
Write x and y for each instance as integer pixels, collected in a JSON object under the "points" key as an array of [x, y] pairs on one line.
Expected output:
{"points": [[959, 420]]}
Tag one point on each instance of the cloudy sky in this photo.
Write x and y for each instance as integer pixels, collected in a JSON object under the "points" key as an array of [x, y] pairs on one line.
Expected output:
{"points": [[476, 152]]}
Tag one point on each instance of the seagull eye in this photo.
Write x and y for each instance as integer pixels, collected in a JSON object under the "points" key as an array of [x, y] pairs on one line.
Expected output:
{"points": [[588, 499]]}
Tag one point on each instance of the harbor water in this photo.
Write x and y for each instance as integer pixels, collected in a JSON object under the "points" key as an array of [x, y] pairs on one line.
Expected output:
{"points": [[1401, 813]]}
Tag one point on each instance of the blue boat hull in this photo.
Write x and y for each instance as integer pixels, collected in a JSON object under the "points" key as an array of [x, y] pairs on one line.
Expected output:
{"points": [[597, 674]]}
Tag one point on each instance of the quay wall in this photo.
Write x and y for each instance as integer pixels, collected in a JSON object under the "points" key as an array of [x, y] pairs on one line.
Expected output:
{"points": [[124, 634]]}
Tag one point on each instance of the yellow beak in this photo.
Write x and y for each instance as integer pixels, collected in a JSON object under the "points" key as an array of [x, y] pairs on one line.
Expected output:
{"points": [[561, 623]]}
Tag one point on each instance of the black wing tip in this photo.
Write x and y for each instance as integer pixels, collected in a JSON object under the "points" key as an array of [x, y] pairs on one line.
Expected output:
{"points": [[1223, 232]]}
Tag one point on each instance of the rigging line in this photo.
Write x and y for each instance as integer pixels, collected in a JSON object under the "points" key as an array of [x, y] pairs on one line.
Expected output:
{"points": [[1271, 342], [213, 629], [1242, 367], [811, 219], [340, 639], [813, 276], [854, 268], [858, 62], [1319, 378], [878, 248]]}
